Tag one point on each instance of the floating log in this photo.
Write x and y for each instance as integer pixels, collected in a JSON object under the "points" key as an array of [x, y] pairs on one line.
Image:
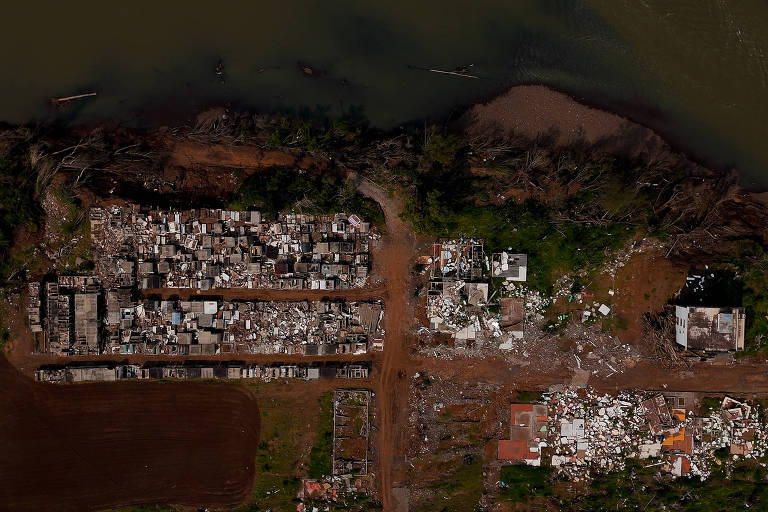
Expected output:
{"points": [[459, 72], [66, 99]]}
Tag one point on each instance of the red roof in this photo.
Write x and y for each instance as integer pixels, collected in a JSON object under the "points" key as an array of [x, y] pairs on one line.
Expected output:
{"points": [[513, 408], [515, 450]]}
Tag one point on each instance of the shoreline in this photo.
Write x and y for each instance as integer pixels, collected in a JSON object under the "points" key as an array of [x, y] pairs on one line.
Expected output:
{"points": [[638, 117], [642, 120]]}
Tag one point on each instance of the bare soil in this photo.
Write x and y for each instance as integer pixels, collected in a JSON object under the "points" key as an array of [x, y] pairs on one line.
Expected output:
{"points": [[538, 112], [643, 285], [94, 446]]}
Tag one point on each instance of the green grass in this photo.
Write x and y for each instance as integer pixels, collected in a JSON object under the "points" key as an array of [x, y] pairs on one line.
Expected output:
{"points": [[458, 489], [322, 452], [521, 482], [145, 508], [709, 405], [528, 396], [282, 190], [640, 488], [552, 249], [279, 453]]}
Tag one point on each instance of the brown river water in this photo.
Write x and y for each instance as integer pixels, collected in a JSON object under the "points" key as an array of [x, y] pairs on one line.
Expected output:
{"points": [[694, 70]]}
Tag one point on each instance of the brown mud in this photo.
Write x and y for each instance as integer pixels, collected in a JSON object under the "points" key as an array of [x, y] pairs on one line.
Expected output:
{"points": [[96, 446]]}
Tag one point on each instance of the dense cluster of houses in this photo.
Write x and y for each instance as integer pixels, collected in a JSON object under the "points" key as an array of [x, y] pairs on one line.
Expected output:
{"points": [[138, 251], [81, 319], [208, 327], [205, 249], [230, 370]]}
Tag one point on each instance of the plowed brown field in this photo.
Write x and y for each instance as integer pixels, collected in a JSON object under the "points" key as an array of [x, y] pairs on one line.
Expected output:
{"points": [[92, 446]]}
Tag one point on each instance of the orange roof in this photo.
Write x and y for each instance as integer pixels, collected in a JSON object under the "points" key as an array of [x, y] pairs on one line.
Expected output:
{"points": [[678, 442], [515, 450], [679, 414]]}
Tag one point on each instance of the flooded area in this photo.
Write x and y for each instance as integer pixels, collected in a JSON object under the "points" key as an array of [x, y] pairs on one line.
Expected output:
{"points": [[696, 71]]}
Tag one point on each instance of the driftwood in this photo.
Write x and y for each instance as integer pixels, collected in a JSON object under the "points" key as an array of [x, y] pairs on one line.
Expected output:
{"points": [[658, 335], [67, 99]]}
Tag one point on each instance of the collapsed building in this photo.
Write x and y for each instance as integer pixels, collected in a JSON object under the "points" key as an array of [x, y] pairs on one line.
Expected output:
{"points": [[67, 314], [710, 329], [230, 371], [351, 430], [459, 288], [213, 248]]}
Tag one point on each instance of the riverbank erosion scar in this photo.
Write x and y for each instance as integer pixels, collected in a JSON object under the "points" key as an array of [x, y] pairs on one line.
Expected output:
{"points": [[96, 446]]}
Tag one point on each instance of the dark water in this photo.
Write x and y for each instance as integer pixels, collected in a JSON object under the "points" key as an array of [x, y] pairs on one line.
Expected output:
{"points": [[694, 69]]}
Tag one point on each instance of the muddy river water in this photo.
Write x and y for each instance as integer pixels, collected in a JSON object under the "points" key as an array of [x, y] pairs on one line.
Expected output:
{"points": [[695, 70]]}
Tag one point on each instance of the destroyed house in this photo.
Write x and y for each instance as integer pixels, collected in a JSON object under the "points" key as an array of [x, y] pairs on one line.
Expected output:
{"points": [[512, 315], [206, 327], [513, 267], [710, 329], [528, 427], [657, 414], [458, 259]]}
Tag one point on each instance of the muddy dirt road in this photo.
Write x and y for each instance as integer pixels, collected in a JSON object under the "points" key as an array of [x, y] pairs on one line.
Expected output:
{"points": [[95, 446], [392, 385]]}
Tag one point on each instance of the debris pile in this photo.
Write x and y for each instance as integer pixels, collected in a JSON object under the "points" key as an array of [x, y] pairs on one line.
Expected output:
{"points": [[591, 432], [316, 495]]}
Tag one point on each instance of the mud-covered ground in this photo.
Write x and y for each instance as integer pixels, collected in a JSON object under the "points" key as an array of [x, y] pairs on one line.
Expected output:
{"points": [[94, 446]]}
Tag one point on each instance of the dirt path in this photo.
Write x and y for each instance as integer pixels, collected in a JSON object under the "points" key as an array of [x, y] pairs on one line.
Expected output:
{"points": [[392, 385]]}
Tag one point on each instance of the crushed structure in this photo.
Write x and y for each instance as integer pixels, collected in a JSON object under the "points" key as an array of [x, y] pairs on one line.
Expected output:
{"points": [[351, 429], [212, 248], [140, 250], [209, 327], [77, 323], [459, 288], [710, 329]]}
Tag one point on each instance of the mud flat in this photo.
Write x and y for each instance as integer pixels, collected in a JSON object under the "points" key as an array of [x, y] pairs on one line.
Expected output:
{"points": [[538, 112], [94, 446]]}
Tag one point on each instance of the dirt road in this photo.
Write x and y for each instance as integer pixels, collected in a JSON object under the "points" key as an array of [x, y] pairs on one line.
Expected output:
{"points": [[392, 385], [368, 293]]}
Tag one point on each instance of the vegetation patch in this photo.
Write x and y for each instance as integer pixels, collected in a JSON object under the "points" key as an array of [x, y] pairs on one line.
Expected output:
{"points": [[518, 483], [322, 452], [459, 487], [284, 190]]}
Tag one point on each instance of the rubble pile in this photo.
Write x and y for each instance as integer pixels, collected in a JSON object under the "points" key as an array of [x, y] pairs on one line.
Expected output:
{"points": [[582, 348], [592, 432], [589, 432], [623, 256], [736, 426], [205, 249], [316, 495], [535, 302]]}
